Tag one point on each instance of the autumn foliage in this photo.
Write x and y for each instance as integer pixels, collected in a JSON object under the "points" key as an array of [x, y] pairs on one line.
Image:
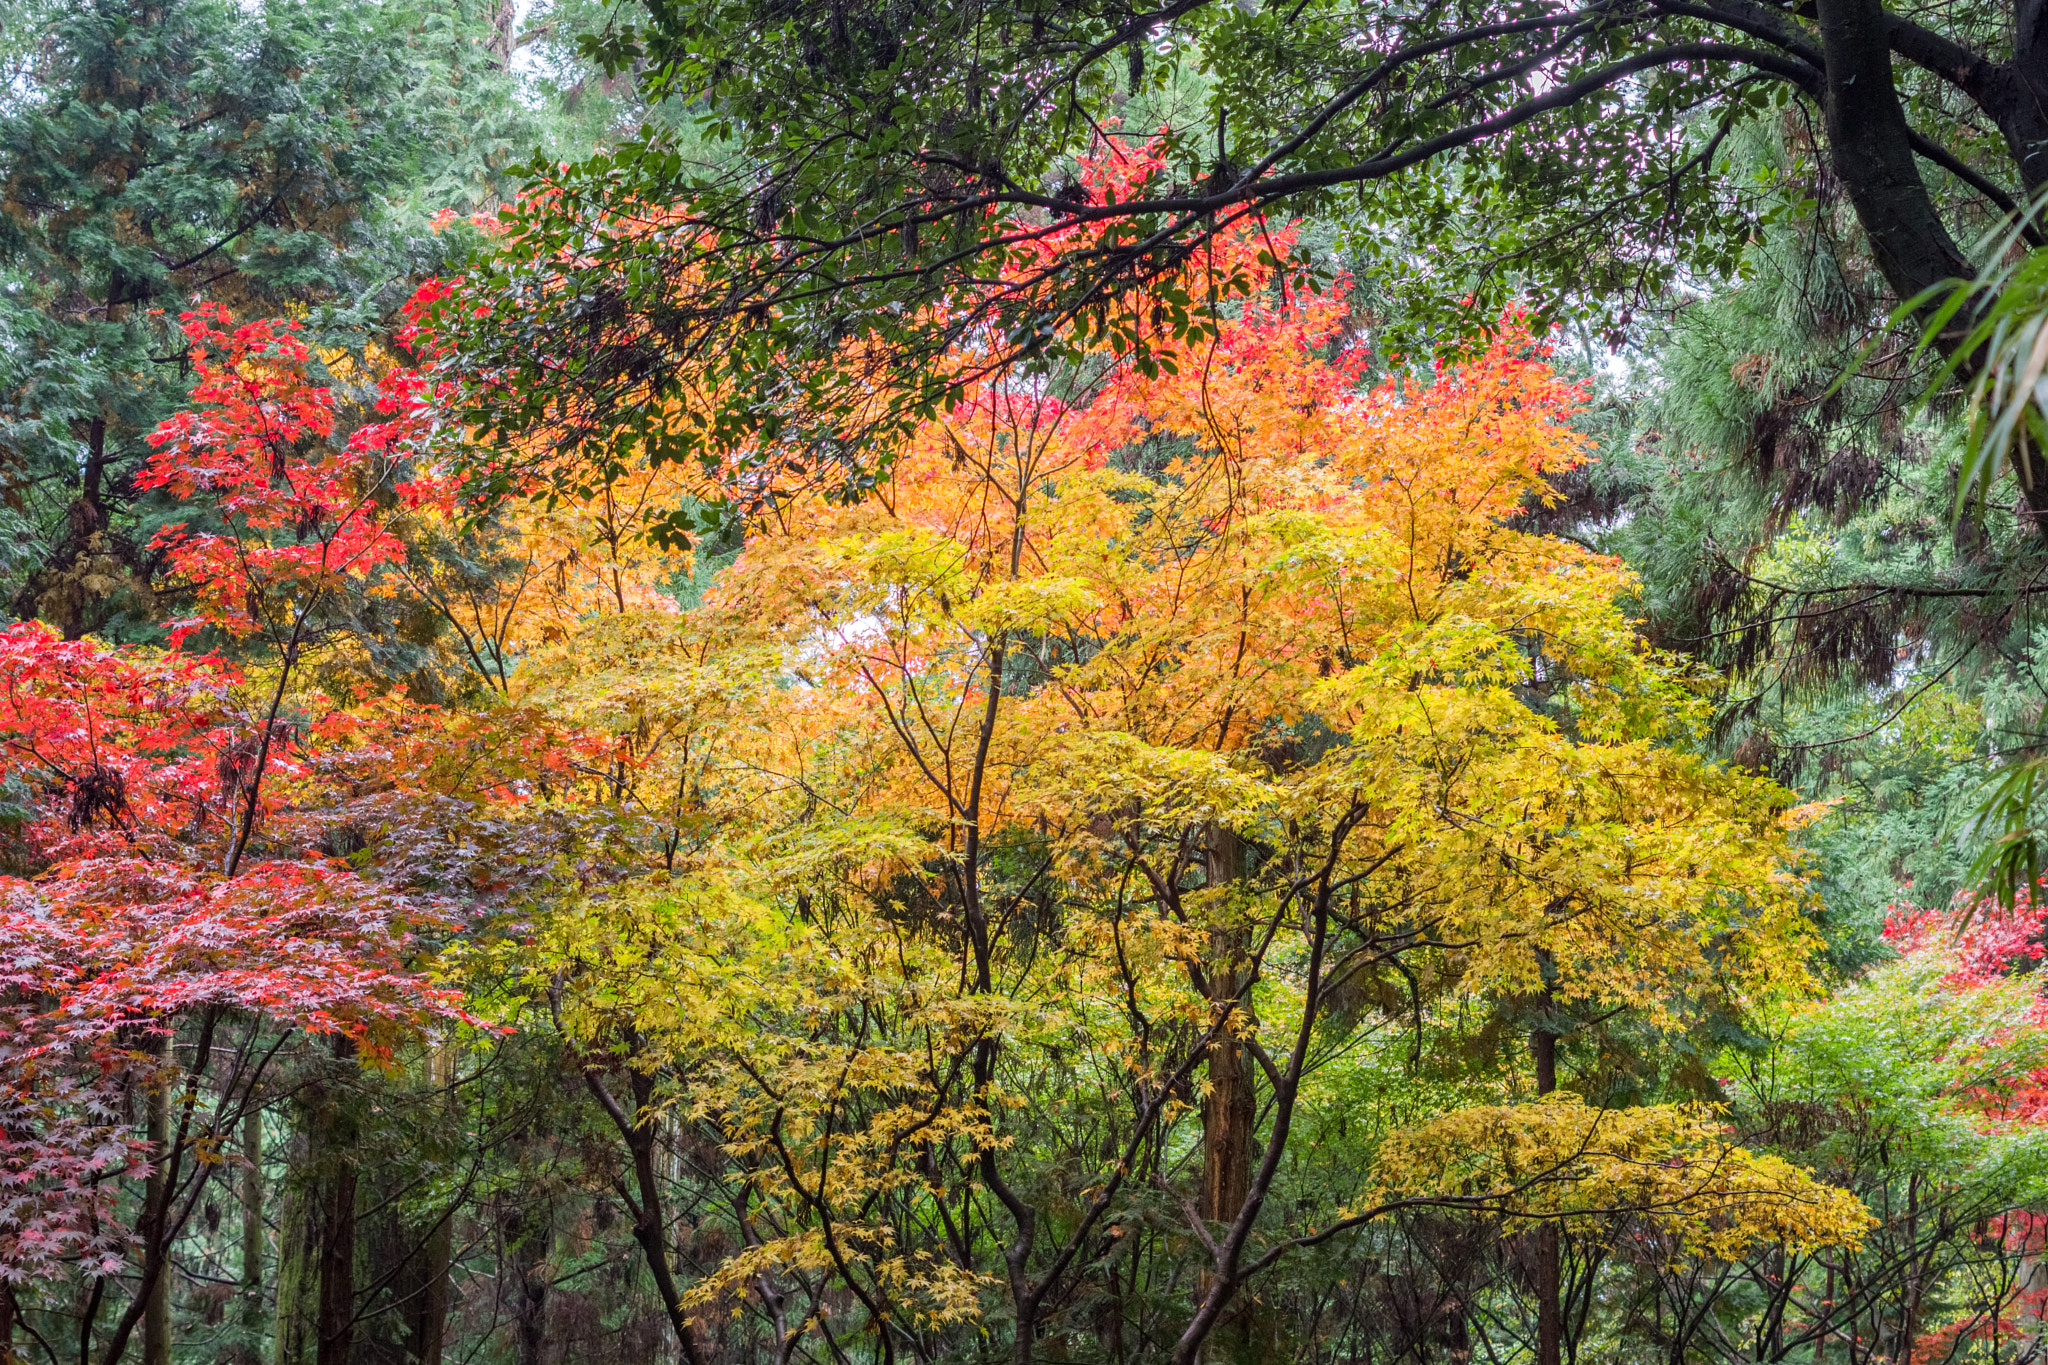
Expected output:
{"points": [[164, 865], [1150, 729], [1007, 886]]}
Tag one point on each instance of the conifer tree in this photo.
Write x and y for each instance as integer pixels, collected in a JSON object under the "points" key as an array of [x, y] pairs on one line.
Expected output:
{"points": [[156, 153]]}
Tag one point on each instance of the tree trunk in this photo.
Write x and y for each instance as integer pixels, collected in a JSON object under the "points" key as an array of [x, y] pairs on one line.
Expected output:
{"points": [[504, 19], [1915, 1285], [529, 1235], [1820, 1345], [1229, 1111], [2023, 112], [298, 1258], [156, 1204], [650, 1219], [316, 1261], [430, 1323], [252, 1237], [338, 1233], [1873, 157], [1873, 151]]}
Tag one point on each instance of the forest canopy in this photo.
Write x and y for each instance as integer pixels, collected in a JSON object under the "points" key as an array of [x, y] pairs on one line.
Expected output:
{"points": [[841, 681]]}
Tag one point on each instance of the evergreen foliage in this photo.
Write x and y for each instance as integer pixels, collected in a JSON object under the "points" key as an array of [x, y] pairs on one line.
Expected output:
{"points": [[281, 158]]}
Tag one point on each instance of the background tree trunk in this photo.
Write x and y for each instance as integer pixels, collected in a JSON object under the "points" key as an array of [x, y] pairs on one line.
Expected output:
{"points": [[1228, 1113], [298, 1259], [316, 1260], [430, 1321], [337, 1138], [252, 1236], [156, 1203], [528, 1232]]}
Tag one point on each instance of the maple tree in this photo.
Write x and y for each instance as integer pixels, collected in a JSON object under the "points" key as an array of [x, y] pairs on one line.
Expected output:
{"points": [[1075, 788], [217, 858], [136, 779], [169, 890]]}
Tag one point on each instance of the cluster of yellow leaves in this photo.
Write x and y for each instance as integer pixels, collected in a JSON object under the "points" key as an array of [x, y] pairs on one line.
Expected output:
{"points": [[540, 570], [1308, 568], [692, 968], [1671, 1165]]}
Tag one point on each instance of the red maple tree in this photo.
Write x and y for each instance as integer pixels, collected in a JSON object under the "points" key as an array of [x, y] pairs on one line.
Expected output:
{"points": [[166, 903]]}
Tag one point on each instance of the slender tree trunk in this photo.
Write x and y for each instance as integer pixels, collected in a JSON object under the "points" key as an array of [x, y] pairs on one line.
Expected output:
{"points": [[93, 515], [298, 1256], [1781, 1303], [92, 478], [338, 1224], [337, 1265], [650, 1217], [430, 1324], [252, 1235], [316, 1261], [156, 1202], [430, 1320], [504, 19], [88, 516], [1549, 1238], [1228, 1113], [1915, 1286], [2023, 114], [529, 1237], [1820, 1346], [1230, 1110]]}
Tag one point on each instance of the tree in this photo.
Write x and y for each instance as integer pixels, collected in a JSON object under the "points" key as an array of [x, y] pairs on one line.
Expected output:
{"points": [[1084, 784], [132, 773], [1942, 1142], [873, 167], [184, 825]]}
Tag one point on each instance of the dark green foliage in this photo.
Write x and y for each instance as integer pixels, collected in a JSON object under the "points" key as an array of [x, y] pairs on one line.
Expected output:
{"points": [[1789, 503], [280, 159]]}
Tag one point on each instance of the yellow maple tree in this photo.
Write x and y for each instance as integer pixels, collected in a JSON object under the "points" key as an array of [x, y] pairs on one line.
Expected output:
{"points": [[1071, 779]]}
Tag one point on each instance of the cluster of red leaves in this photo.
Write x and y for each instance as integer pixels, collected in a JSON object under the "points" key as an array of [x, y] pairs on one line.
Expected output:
{"points": [[98, 958], [299, 511], [2013, 1318], [102, 745], [125, 769], [118, 943], [1991, 940], [64, 1152]]}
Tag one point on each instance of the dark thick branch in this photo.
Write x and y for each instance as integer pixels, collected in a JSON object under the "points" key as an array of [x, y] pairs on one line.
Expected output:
{"points": [[1983, 80], [1929, 150], [1767, 25]]}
